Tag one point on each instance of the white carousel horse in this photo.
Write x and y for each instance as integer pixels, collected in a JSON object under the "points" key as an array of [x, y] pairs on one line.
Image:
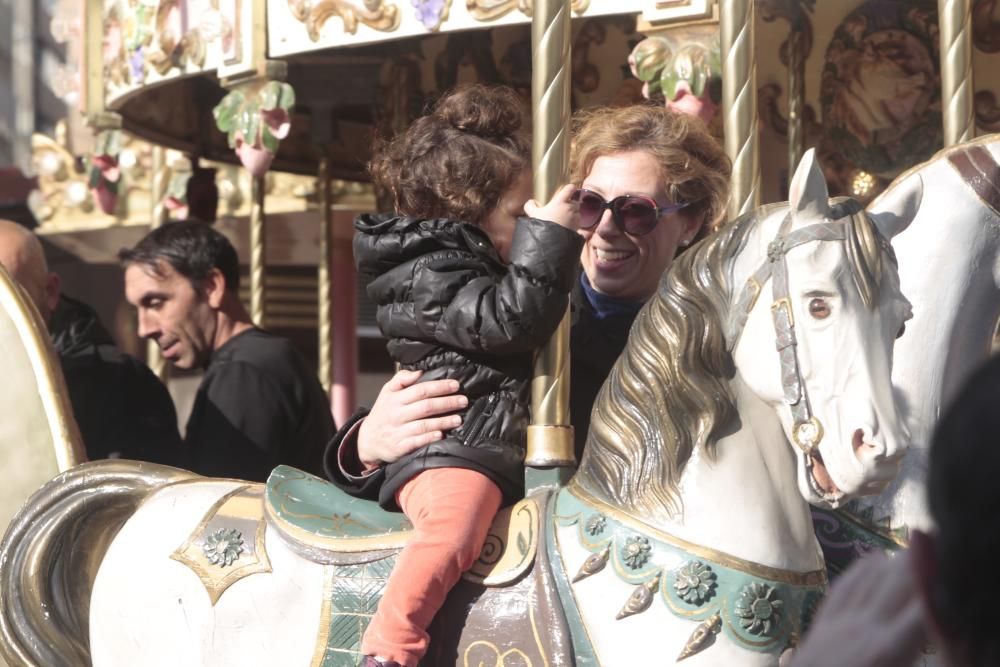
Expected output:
{"points": [[688, 519], [949, 267], [38, 435]]}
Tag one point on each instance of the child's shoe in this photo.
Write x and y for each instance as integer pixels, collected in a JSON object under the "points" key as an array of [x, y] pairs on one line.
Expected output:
{"points": [[371, 661]]}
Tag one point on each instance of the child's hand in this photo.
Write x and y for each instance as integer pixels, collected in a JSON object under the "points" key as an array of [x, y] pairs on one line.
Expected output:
{"points": [[559, 210]]}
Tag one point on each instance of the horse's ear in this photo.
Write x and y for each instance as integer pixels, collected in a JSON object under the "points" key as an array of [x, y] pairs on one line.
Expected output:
{"points": [[894, 211], [807, 195]]}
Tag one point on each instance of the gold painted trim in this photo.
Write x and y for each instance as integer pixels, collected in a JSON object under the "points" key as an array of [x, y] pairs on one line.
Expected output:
{"points": [[325, 613], [298, 535], [813, 578], [784, 304], [538, 639], [501, 656], [507, 525], [245, 508], [754, 288], [52, 391]]}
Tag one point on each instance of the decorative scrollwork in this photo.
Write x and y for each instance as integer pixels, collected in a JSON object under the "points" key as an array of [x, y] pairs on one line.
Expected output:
{"points": [[985, 28], [376, 14], [987, 111], [796, 12], [490, 10]]}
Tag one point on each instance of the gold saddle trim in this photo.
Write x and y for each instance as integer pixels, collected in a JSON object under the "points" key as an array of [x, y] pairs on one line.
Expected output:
{"points": [[509, 550]]}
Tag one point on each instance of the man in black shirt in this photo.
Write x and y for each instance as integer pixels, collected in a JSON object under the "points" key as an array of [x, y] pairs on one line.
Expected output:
{"points": [[259, 403], [121, 407]]}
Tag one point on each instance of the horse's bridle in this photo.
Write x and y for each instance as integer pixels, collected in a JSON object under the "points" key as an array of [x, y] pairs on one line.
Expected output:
{"points": [[807, 430]]}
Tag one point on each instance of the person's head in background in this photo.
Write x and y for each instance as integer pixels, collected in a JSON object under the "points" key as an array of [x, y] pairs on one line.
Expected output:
{"points": [[656, 155], [22, 255], [957, 562], [183, 279], [468, 160]]}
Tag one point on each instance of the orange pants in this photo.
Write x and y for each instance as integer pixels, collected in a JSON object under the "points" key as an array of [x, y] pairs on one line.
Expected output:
{"points": [[451, 510]]}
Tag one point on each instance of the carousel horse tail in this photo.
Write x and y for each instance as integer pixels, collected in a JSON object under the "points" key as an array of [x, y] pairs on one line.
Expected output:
{"points": [[51, 553]]}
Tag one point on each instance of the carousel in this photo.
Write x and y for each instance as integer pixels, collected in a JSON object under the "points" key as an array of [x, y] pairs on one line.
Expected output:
{"points": [[261, 114]]}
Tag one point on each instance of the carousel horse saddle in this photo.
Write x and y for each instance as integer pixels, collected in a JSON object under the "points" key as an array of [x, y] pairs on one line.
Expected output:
{"points": [[505, 603], [323, 523]]}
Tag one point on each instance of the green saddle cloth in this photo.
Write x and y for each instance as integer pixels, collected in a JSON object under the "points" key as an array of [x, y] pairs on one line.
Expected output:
{"points": [[314, 512]]}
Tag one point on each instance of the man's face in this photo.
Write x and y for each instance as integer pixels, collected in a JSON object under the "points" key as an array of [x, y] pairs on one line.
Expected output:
{"points": [[179, 318]]}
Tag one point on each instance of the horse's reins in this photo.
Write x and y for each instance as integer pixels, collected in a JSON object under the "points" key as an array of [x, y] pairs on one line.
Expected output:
{"points": [[807, 430]]}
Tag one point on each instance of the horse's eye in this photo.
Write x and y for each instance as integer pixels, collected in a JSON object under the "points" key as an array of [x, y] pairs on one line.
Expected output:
{"points": [[819, 309], [902, 330]]}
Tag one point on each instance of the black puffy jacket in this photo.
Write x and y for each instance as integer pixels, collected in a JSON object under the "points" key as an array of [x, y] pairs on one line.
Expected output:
{"points": [[451, 308], [121, 407]]}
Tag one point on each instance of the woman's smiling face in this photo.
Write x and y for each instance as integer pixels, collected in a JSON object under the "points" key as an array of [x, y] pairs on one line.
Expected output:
{"points": [[618, 264]]}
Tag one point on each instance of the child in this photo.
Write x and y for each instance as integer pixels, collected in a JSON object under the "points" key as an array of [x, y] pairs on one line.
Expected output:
{"points": [[465, 290]]}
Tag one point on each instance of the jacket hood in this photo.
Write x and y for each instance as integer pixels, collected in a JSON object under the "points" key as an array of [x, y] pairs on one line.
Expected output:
{"points": [[75, 326], [384, 241]]}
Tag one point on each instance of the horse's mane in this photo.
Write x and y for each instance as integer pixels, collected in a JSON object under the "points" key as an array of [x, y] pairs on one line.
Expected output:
{"points": [[669, 392]]}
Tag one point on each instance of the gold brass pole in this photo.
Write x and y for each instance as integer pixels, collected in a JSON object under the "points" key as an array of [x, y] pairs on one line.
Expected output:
{"points": [[257, 251], [323, 277], [157, 216], [955, 23], [550, 435], [796, 97], [739, 102]]}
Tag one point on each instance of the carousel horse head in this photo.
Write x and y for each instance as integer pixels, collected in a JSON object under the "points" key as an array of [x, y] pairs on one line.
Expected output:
{"points": [[799, 304]]}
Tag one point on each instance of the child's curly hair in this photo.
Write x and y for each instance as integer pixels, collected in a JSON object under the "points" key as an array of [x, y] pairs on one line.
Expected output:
{"points": [[458, 160]]}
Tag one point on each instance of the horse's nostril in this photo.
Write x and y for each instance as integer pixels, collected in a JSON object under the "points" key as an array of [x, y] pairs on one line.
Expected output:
{"points": [[866, 448]]}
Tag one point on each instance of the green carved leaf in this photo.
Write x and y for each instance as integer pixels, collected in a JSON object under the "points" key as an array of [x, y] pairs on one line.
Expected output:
{"points": [[225, 112], [668, 83], [249, 123], [697, 80], [268, 140], [522, 544], [276, 95]]}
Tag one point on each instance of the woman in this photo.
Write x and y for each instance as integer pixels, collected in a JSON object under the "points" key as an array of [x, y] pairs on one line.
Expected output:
{"points": [[651, 182]]}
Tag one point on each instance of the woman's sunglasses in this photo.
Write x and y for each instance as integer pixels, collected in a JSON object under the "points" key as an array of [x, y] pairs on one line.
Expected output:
{"points": [[634, 214]]}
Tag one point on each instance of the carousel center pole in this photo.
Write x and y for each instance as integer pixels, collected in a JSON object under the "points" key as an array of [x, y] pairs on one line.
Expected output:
{"points": [[955, 22], [550, 458], [158, 215], [739, 102]]}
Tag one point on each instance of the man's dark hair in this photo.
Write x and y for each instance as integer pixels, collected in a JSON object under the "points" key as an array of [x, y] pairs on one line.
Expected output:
{"points": [[191, 248], [964, 496]]}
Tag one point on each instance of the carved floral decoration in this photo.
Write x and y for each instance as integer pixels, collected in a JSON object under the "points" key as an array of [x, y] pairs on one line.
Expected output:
{"points": [[255, 118], [432, 13], [224, 546], [636, 552], [596, 525], [759, 608], [688, 76], [694, 582], [105, 173], [489, 10], [376, 14]]}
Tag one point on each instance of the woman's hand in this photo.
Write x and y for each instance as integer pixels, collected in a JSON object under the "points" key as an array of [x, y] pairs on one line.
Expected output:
{"points": [[560, 209], [406, 416], [873, 617]]}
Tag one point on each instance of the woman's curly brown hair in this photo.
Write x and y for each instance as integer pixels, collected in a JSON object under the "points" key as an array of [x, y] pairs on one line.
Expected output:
{"points": [[693, 165], [458, 160]]}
